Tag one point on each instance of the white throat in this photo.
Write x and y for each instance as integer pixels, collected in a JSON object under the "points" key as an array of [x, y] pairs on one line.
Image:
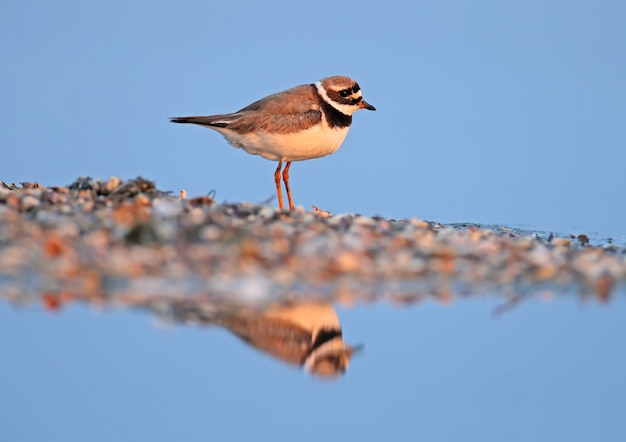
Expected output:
{"points": [[346, 109]]}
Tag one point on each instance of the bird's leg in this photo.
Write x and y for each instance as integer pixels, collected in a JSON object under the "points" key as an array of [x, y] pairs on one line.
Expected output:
{"points": [[279, 192], [286, 180]]}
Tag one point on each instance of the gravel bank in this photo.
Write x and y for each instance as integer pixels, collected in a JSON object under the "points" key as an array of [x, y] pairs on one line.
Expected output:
{"points": [[126, 241]]}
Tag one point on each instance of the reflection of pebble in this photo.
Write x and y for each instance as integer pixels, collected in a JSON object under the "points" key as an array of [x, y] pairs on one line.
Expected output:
{"points": [[95, 238]]}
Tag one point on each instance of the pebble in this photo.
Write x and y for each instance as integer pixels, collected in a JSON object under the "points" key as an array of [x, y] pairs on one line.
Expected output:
{"points": [[98, 240]]}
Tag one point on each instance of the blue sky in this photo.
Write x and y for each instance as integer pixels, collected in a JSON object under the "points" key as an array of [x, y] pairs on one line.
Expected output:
{"points": [[492, 112], [487, 111]]}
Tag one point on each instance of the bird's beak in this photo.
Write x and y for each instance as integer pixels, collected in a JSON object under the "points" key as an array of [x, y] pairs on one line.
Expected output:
{"points": [[365, 105]]}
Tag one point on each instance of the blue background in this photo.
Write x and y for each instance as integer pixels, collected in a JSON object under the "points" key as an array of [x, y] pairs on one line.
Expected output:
{"points": [[488, 111]]}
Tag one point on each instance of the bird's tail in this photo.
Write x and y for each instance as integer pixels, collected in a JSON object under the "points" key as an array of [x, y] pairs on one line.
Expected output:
{"points": [[213, 120]]}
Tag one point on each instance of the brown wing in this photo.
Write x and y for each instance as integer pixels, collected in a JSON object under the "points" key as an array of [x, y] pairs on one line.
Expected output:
{"points": [[280, 339], [289, 111]]}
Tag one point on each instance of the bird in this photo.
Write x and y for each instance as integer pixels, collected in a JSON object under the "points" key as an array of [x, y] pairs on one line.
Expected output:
{"points": [[304, 122], [306, 334]]}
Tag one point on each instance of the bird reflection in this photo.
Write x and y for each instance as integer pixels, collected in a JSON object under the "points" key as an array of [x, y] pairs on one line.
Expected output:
{"points": [[305, 334]]}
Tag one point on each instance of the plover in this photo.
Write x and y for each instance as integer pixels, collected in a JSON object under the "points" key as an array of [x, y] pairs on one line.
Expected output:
{"points": [[302, 123]]}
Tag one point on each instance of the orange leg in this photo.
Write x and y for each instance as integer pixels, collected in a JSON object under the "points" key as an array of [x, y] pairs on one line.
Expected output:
{"points": [[279, 192], [286, 180]]}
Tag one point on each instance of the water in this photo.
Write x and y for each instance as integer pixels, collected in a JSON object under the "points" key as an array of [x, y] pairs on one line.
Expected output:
{"points": [[464, 369]]}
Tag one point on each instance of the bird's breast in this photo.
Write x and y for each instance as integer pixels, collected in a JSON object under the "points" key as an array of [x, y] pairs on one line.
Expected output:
{"points": [[314, 142]]}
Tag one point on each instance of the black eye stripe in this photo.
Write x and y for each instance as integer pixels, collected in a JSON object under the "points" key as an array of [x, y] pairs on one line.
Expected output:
{"points": [[347, 98], [349, 91]]}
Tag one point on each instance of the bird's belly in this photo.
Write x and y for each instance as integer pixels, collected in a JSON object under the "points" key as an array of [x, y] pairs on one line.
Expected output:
{"points": [[311, 143]]}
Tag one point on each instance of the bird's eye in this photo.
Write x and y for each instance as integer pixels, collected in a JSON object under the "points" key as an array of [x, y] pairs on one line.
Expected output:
{"points": [[345, 92]]}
